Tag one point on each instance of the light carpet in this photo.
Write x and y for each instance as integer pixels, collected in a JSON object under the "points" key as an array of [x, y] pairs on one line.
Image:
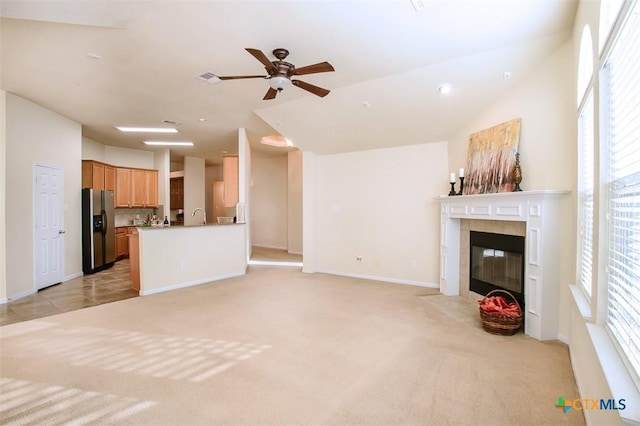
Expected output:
{"points": [[278, 346]]}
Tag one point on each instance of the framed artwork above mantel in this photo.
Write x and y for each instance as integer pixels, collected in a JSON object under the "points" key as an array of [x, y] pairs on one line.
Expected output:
{"points": [[491, 159]]}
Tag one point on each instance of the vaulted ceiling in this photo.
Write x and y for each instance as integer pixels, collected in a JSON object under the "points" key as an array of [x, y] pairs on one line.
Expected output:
{"points": [[135, 63]]}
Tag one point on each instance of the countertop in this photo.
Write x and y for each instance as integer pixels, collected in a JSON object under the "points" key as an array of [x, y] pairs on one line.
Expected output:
{"points": [[145, 228]]}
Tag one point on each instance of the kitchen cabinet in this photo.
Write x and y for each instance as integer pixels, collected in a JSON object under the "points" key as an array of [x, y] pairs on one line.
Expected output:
{"points": [[134, 261], [122, 243], [98, 175], [136, 187], [123, 187], [176, 189], [230, 179]]}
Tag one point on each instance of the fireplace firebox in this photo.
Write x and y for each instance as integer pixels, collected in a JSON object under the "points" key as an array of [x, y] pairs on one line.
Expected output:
{"points": [[497, 262]]}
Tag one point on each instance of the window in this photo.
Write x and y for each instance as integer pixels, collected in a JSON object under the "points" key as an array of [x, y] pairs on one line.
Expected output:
{"points": [[585, 162], [585, 194], [620, 175]]}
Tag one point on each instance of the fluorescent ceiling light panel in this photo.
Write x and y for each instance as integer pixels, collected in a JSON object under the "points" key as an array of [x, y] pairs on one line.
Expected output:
{"points": [[147, 129], [168, 143]]}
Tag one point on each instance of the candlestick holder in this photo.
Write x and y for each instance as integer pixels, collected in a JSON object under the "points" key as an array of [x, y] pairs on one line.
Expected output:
{"points": [[453, 189], [461, 185]]}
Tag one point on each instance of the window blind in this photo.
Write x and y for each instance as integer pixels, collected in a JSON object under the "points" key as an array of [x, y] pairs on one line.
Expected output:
{"points": [[585, 193], [622, 178]]}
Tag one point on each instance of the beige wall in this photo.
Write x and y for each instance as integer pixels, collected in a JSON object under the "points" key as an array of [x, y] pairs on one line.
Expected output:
{"points": [[92, 150], [126, 157], [193, 190], [294, 202], [379, 204], [183, 256], [3, 182], [269, 201], [35, 135]]}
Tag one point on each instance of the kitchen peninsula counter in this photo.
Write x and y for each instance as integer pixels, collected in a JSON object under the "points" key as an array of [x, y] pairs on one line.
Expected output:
{"points": [[182, 256]]}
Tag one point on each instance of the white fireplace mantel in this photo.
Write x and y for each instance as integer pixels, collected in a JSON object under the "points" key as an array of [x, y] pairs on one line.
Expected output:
{"points": [[540, 210]]}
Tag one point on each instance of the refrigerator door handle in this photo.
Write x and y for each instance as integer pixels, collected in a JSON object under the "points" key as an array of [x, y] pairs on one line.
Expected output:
{"points": [[105, 225]]}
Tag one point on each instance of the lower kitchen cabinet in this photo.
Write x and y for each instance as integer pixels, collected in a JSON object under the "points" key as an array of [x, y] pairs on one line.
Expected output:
{"points": [[122, 243]]}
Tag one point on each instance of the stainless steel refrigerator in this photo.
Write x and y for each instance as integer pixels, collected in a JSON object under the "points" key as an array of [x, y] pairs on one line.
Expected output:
{"points": [[98, 230]]}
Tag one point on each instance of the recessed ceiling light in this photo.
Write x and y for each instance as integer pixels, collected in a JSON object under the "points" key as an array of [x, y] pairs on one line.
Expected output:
{"points": [[445, 88], [94, 56], [202, 120], [168, 143], [147, 129]]}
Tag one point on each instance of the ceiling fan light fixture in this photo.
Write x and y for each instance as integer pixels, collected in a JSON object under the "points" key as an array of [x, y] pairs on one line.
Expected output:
{"points": [[278, 82]]}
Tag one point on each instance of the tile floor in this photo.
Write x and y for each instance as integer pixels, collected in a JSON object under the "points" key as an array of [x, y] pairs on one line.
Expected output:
{"points": [[105, 286]]}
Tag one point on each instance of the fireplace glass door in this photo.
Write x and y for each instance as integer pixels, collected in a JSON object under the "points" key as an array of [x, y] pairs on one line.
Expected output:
{"points": [[500, 268]]}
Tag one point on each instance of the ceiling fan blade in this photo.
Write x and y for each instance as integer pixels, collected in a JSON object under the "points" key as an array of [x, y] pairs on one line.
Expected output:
{"points": [[237, 77], [262, 58], [271, 94], [318, 91], [313, 69]]}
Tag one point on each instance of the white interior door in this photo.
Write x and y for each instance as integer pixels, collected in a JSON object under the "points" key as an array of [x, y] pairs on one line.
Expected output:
{"points": [[49, 226]]}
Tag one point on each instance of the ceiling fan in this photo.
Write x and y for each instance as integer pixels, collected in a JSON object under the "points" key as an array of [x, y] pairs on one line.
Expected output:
{"points": [[280, 73]]}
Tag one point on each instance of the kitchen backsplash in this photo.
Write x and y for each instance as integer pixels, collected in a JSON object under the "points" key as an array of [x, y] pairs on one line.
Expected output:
{"points": [[126, 217]]}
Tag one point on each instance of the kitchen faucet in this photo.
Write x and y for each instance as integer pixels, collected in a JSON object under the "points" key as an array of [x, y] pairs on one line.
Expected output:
{"points": [[204, 215]]}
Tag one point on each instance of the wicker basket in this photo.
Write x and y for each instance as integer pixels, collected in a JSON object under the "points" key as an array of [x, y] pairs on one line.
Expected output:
{"points": [[496, 323]]}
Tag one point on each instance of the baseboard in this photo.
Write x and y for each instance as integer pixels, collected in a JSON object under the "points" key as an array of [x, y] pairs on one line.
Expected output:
{"points": [[379, 278], [4, 301], [72, 276], [190, 283], [269, 247], [564, 339], [23, 294]]}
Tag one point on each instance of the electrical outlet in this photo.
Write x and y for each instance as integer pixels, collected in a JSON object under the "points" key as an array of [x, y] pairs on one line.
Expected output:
{"points": [[414, 264], [376, 262], [183, 265]]}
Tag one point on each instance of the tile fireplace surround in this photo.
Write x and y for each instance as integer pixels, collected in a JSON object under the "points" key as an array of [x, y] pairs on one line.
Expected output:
{"points": [[540, 213]]}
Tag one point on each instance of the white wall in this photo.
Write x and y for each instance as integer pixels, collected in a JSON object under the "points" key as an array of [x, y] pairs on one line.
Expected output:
{"points": [[379, 204], [269, 201], [161, 162], [180, 256], [92, 150], [35, 135], [294, 202], [193, 190], [125, 157], [3, 183], [244, 184]]}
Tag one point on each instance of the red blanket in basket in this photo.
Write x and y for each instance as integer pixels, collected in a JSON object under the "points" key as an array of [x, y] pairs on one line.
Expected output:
{"points": [[499, 305]]}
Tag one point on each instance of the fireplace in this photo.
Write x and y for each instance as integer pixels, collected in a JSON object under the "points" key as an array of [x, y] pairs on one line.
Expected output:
{"points": [[539, 213], [496, 261]]}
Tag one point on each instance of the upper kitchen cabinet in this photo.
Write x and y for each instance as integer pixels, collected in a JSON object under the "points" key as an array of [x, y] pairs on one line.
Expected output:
{"points": [[230, 179], [98, 175], [136, 188], [176, 189], [123, 187]]}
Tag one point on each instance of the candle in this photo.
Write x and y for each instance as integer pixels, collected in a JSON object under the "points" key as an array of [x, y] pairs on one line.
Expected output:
{"points": [[461, 172], [452, 178]]}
